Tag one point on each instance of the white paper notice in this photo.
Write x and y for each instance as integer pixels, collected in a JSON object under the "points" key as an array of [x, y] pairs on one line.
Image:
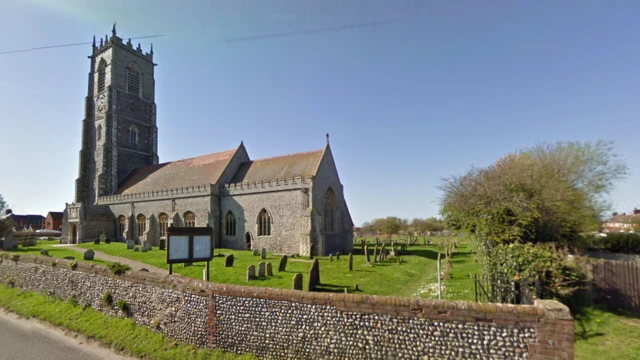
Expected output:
{"points": [[202, 247], [178, 247]]}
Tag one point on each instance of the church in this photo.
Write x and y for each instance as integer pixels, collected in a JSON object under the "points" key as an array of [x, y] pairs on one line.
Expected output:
{"points": [[291, 204]]}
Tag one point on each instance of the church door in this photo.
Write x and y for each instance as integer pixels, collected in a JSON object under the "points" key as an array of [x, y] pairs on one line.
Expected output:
{"points": [[247, 241], [74, 234]]}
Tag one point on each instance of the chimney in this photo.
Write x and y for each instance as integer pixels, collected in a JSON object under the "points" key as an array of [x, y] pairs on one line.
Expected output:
{"points": [[636, 211], [614, 214]]}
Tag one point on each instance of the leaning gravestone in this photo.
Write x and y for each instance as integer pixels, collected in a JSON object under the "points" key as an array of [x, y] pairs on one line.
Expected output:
{"points": [[375, 254], [283, 264], [366, 254], [297, 281], [261, 269], [263, 253], [130, 244], [135, 249], [162, 245], [314, 275], [228, 260], [251, 272], [88, 255], [44, 252], [269, 269], [350, 261]]}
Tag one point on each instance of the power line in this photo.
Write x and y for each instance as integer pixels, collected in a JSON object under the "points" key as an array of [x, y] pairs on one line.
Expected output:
{"points": [[66, 45]]}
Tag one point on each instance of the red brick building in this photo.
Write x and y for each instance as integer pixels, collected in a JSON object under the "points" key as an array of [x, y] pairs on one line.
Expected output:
{"points": [[53, 221]]}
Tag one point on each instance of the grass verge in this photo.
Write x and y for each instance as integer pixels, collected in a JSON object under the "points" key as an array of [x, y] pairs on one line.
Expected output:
{"points": [[121, 334], [54, 252], [602, 334]]}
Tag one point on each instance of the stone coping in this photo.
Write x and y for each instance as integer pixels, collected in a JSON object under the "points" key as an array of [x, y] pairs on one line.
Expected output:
{"points": [[549, 309]]}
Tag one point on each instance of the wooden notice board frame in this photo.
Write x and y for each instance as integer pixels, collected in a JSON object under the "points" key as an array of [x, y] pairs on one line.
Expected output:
{"points": [[190, 233]]}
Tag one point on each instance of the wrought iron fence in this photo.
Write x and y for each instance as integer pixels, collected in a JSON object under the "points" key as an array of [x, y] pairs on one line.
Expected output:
{"points": [[504, 290]]}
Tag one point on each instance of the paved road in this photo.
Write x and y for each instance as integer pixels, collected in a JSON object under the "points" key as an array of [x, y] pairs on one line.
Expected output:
{"points": [[31, 340]]}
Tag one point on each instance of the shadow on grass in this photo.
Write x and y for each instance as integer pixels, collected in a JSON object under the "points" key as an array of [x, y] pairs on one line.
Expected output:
{"points": [[336, 288], [425, 253]]}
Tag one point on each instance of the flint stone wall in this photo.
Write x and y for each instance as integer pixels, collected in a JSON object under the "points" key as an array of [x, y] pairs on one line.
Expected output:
{"points": [[289, 324]]}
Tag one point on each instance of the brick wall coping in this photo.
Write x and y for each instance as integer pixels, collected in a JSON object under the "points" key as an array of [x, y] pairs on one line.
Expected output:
{"points": [[549, 309]]}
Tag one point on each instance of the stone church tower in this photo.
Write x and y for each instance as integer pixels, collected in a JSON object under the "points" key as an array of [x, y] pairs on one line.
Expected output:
{"points": [[119, 132]]}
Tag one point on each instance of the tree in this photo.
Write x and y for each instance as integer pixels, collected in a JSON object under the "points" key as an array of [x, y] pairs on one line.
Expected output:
{"points": [[5, 222], [547, 193]]}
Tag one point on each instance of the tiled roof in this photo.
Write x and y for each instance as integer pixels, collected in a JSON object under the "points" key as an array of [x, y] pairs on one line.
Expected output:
{"points": [[279, 167], [622, 219], [205, 169], [55, 215]]}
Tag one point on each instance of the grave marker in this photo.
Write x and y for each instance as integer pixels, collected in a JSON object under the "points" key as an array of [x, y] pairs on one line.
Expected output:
{"points": [[297, 281], [366, 254], [251, 272], [269, 269], [130, 244], [350, 261], [228, 260], [88, 255], [261, 269], [314, 275], [283, 263], [263, 254]]}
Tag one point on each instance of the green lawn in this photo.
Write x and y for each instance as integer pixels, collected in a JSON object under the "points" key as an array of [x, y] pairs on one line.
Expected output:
{"points": [[54, 251], [390, 277], [602, 334], [120, 333]]}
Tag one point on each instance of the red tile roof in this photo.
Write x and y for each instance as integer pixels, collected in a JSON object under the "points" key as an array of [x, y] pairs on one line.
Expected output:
{"points": [[280, 167], [205, 169], [55, 215]]}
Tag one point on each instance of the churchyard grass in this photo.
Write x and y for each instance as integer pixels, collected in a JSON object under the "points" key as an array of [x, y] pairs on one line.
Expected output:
{"points": [[120, 333], [603, 334], [390, 277], [54, 251]]}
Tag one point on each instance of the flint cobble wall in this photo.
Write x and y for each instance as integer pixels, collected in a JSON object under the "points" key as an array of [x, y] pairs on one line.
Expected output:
{"points": [[289, 324]]}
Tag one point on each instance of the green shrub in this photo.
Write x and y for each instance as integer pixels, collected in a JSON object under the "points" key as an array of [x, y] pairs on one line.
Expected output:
{"points": [[96, 241], [122, 305], [628, 243], [72, 300], [11, 282], [73, 265], [119, 269], [107, 298]]}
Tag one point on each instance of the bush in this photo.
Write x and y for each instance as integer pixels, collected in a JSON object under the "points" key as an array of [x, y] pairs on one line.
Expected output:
{"points": [[628, 243], [72, 300], [73, 265], [107, 298], [119, 269], [122, 305], [11, 282]]}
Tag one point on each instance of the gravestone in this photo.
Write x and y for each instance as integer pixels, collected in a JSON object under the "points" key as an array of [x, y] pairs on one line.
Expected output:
{"points": [[366, 254], [103, 238], [314, 275], [251, 272], [88, 255], [96, 241], [377, 240], [269, 269], [130, 244], [330, 257], [261, 269], [44, 252], [148, 247], [136, 249], [162, 245], [256, 252], [144, 249], [375, 254], [107, 241], [228, 260], [338, 256], [263, 254], [350, 261], [311, 249], [297, 281], [9, 241], [283, 264], [383, 253]]}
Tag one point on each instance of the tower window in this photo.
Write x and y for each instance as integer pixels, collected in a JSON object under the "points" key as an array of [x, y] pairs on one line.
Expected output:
{"points": [[133, 134], [101, 75], [230, 224], [329, 211], [189, 219], [264, 223], [133, 78], [99, 133]]}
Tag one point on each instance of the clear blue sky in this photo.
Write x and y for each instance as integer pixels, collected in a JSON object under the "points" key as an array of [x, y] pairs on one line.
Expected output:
{"points": [[448, 85]]}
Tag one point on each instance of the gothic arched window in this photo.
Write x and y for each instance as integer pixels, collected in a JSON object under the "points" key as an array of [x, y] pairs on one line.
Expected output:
{"points": [[230, 224], [133, 78], [142, 224], [99, 133], [329, 211], [264, 223], [133, 134], [189, 219], [163, 224], [102, 75], [122, 220]]}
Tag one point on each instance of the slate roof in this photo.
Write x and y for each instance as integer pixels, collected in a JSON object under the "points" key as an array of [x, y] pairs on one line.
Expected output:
{"points": [[205, 169], [622, 219], [280, 167]]}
